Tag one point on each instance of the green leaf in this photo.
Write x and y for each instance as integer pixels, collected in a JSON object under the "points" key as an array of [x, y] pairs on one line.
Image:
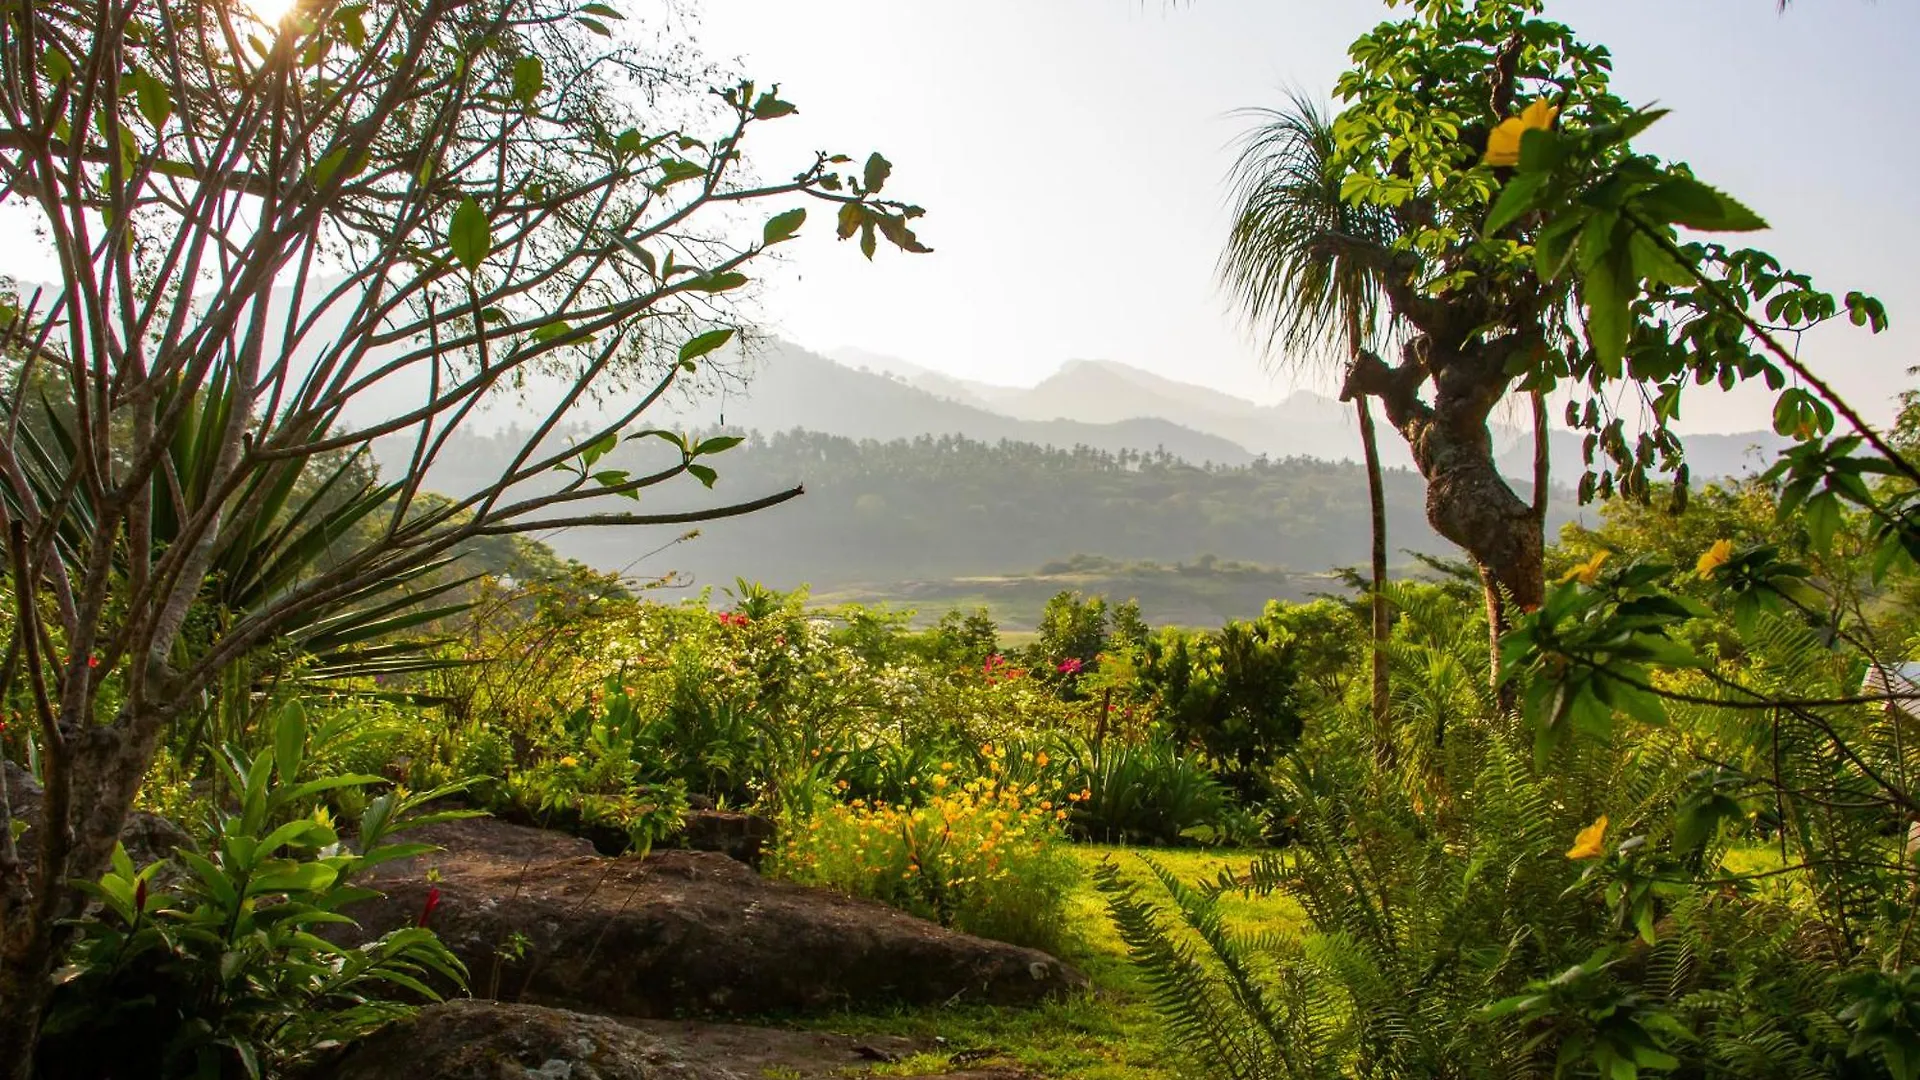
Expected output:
{"points": [[783, 226], [718, 444], [470, 235], [600, 448], [851, 217], [529, 78], [601, 10], [717, 283], [549, 331], [594, 25], [1553, 246], [1608, 312], [770, 107], [867, 243], [874, 177], [297, 877], [1516, 198], [704, 344], [154, 99], [705, 475], [289, 741], [1682, 200], [674, 171]]}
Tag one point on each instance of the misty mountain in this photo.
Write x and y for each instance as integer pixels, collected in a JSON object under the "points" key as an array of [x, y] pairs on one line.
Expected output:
{"points": [[790, 388], [1305, 424]]}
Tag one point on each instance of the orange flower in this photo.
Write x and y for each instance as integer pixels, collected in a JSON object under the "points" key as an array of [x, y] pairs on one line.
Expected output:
{"points": [[1590, 842], [1587, 572], [1503, 145], [1714, 558]]}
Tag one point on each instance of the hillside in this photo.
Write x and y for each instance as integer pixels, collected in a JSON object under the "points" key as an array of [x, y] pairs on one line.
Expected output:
{"points": [[906, 518]]}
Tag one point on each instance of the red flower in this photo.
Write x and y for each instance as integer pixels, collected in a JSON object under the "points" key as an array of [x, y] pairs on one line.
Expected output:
{"points": [[728, 618], [140, 895], [1070, 666], [93, 661], [426, 909]]}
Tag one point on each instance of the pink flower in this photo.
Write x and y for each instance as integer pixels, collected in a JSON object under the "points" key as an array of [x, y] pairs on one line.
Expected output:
{"points": [[426, 910], [1070, 666]]}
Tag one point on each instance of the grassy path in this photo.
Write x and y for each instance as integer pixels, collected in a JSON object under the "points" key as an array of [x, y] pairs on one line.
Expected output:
{"points": [[1111, 1034]]}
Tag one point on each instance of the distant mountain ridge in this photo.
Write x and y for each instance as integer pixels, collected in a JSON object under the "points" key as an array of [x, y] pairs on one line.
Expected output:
{"points": [[1304, 424]]}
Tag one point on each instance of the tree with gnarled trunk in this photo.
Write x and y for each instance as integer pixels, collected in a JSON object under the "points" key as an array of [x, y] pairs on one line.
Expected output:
{"points": [[1439, 107], [281, 240]]}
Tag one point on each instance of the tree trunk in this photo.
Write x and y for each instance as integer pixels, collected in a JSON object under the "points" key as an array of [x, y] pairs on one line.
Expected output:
{"points": [[1468, 501], [1383, 754]]}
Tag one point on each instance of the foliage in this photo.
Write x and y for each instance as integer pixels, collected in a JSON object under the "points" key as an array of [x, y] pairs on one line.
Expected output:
{"points": [[493, 196], [935, 507], [214, 965], [983, 855]]}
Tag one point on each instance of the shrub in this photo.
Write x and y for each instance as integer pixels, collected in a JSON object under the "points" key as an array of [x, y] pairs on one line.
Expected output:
{"points": [[1143, 793], [987, 857], [211, 967]]}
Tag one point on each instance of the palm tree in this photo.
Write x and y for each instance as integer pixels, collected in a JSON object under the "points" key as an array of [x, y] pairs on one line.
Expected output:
{"points": [[1312, 301]]}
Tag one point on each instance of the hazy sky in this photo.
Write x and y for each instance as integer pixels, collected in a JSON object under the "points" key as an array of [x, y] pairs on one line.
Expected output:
{"points": [[1071, 156]]}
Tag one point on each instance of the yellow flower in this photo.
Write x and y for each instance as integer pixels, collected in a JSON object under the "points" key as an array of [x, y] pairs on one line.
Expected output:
{"points": [[1503, 145], [569, 761], [1587, 572], [1040, 759], [1714, 558], [1589, 842]]}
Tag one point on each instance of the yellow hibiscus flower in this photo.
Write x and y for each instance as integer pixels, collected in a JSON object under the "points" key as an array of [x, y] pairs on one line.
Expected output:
{"points": [[1587, 572], [1589, 843], [1503, 145], [1714, 558]]}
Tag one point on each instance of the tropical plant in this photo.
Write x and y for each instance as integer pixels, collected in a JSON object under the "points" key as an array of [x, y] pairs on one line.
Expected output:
{"points": [[475, 203], [215, 965], [1312, 297], [1450, 129]]}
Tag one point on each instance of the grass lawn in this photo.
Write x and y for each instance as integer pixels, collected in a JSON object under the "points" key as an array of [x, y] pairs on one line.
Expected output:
{"points": [[1111, 1034]]}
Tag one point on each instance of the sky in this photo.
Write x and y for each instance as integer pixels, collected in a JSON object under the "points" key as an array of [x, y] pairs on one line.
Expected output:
{"points": [[1071, 155]]}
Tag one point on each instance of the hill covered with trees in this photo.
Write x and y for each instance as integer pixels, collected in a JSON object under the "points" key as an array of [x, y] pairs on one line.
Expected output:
{"points": [[901, 519]]}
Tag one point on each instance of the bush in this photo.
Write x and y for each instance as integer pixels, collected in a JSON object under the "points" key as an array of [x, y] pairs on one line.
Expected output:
{"points": [[1145, 793], [211, 968], [987, 857]]}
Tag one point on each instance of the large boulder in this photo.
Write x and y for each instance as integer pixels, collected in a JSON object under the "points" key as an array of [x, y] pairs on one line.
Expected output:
{"points": [[148, 837], [536, 917], [741, 837], [483, 1040]]}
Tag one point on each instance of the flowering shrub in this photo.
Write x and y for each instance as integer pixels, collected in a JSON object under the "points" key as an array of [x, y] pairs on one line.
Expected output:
{"points": [[986, 856]]}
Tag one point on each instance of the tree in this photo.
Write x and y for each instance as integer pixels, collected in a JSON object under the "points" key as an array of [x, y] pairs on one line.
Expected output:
{"points": [[1443, 108], [281, 240], [1313, 300]]}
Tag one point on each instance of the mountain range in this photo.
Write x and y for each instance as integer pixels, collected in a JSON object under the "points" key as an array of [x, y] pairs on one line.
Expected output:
{"points": [[1111, 406]]}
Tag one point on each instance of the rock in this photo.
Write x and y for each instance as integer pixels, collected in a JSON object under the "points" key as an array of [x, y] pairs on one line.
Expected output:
{"points": [[148, 837], [740, 837], [479, 1040], [537, 918]]}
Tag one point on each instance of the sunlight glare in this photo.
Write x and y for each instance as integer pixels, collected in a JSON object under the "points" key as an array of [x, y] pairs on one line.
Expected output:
{"points": [[270, 11]]}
